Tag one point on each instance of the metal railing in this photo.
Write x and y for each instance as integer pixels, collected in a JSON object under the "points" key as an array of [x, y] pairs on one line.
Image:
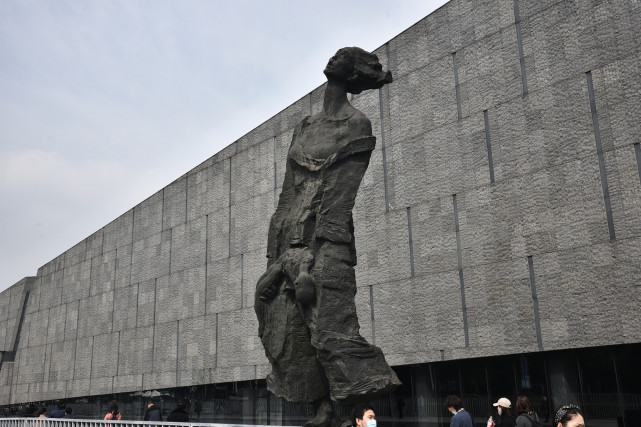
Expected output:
{"points": [[68, 422]]}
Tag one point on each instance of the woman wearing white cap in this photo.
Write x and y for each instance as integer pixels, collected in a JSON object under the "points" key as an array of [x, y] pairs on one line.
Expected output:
{"points": [[503, 408]]}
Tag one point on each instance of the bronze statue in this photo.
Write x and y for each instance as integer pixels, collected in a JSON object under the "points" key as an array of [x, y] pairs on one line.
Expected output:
{"points": [[305, 300]]}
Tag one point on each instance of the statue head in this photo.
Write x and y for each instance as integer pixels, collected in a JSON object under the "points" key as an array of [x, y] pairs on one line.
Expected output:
{"points": [[358, 69]]}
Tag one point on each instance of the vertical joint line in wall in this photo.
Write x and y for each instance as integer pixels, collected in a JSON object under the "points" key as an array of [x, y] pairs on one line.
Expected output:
{"points": [[171, 246], [91, 362], [637, 153], [517, 23], [44, 364], [64, 328], [599, 149], [186, 197], [118, 357], [411, 242], [162, 211], [113, 309], [380, 104], [137, 301], [102, 245], [311, 113], [229, 214], [75, 352], [50, 359], [460, 271], [490, 162], [206, 257], [131, 255], [177, 351], [535, 304], [242, 278], [456, 87], [275, 157], [371, 308], [153, 330], [216, 358], [116, 266]]}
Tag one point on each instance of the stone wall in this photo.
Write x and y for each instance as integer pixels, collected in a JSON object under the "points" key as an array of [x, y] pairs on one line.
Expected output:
{"points": [[501, 213]]}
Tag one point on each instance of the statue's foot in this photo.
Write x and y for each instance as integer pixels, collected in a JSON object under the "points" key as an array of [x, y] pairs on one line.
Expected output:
{"points": [[324, 415]]}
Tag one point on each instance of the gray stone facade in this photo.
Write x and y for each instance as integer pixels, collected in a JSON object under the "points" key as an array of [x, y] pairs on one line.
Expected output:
{"points": [[501, 213]]}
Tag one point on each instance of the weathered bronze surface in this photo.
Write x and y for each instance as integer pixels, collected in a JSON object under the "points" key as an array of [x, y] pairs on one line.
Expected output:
{"points": [[305, 300]]}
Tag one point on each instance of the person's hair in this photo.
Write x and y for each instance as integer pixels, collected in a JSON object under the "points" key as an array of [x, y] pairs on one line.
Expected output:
{"points": [[60, 404], [68, 410], [506, 412], [180, 404], [565, 414], [358, 411], [454, 401], [41, 411], [113, 409], [523, 405]]}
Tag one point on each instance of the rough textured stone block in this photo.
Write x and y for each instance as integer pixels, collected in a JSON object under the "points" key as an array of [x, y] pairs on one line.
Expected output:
{"points": [[148, 217], [174, 203], [182, 296], [61, 361], [197, 344], [136, 351], [125, 308], [103, 273], [208, 190], [76, 281], [96, 315], [105, 355], [188, 245], [223, 285], [119, 232], [151, 257], [56, 324], [165, 347]]}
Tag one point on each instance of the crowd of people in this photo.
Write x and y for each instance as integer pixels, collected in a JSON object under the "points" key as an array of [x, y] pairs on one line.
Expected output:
{"points": [[521, 416]]}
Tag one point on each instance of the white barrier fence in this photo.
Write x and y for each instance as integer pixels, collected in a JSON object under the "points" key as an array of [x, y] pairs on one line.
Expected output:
{"points": [[68, 422]]}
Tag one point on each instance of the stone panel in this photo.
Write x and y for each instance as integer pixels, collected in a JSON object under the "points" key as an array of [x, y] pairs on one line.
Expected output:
{"points": [[188, 245], [250, 223], [147, 302], [218, 244], [197, 343], [50, 287], [174, 203], [95, 244], [223, 285], [182, 296], [165, 347], [103, 270], [84, 354], [151, 257], [76, 282], [136, 351], [125, 308], [56, 324], [208, 190], [105, 356], [61, 364], [148, 217], [96, 315], [31, 363], [118, 232]]}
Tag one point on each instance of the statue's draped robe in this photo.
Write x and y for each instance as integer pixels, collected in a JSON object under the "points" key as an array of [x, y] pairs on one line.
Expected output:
{"points": [[317, 348]]}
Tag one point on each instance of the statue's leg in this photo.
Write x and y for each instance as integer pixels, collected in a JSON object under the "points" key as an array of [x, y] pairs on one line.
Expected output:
{"points": [[355, 369], [323, 414]]}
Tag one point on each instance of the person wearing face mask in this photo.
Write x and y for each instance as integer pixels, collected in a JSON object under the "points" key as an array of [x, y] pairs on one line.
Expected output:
{"points": [[460, 417], [363, 415], [503, 408]]}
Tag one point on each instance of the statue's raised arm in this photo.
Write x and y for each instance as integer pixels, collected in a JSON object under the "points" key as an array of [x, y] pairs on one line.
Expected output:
{"points": [[305, 299]]}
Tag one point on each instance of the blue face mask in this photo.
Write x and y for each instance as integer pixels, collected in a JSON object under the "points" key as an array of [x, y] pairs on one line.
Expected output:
{"points": [[371, 423]]}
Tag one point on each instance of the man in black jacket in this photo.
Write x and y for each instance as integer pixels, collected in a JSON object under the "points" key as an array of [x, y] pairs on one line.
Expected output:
{"points": [[153, 412], [179, 414]]}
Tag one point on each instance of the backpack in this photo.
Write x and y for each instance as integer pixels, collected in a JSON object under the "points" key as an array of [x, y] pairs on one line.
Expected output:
{"points": [[535, 423]]}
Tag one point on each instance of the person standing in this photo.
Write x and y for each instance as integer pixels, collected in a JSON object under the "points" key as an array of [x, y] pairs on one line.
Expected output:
{"points": [[59, 412], [153, 412], [503, 408], [460, 417], [113, 413], [569, 416], [179, 414], [525, 415]]}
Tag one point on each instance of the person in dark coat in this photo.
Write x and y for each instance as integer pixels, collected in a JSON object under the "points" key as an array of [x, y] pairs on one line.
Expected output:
{"points": [[504, 409], [153, 412], [59, 412], [179, 414]]}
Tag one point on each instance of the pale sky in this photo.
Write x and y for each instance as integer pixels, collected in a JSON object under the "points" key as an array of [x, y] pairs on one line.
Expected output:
{"points": [[103, 103]]}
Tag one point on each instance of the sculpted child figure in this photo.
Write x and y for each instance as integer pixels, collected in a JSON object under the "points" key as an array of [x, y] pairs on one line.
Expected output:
{"points": [[305, 300]]}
